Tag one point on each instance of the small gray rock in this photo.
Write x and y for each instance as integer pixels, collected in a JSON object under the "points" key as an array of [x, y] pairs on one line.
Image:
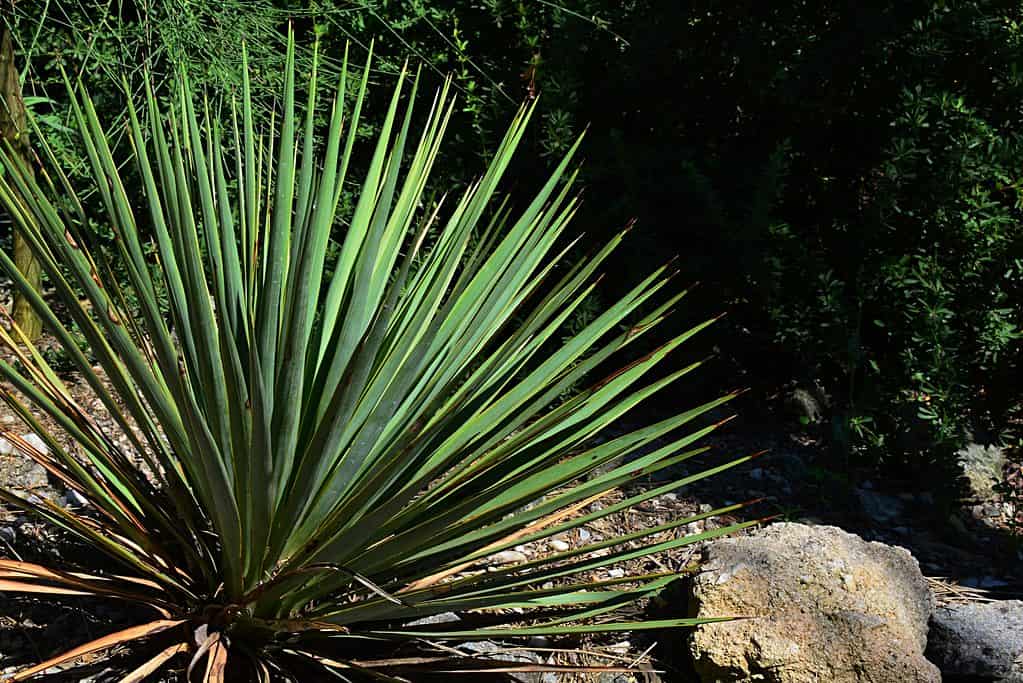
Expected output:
{"points": [[508, 557], [21, 473], [807, 406], [982, 468], [499, 653], [442, 618], [26, 475], [73, 499], [981, 640], [880, 507]]}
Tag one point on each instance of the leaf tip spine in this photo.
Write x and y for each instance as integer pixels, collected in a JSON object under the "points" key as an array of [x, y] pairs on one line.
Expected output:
{"points": [[725, 421]]}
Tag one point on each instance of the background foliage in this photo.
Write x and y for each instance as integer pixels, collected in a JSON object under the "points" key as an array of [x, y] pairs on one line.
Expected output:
{"points": [[846, 174]]}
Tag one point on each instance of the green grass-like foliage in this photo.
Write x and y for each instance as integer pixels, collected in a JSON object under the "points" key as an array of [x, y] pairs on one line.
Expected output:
{"points": [[321, 453]]}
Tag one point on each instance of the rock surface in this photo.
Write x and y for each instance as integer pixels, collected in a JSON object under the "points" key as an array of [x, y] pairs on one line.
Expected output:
{"points": [[982, 641], [826, 606], [982, 468], [807, 405], [20, 473], [513, 657], [880, 508]]}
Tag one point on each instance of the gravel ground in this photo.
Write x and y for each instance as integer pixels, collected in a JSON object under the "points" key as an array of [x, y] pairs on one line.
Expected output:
{"points": [[972, 547]]}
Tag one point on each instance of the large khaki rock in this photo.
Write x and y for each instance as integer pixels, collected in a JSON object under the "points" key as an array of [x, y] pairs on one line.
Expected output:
{"points": [[826, 606]]}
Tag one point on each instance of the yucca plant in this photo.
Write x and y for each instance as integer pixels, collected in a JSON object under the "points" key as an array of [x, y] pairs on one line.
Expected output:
{"points": [[323, 451]]}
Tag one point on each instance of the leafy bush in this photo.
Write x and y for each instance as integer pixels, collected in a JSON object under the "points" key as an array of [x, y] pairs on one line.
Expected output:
{"points": [[498, 52], [914, 313], [855, 165], [323, 452]]}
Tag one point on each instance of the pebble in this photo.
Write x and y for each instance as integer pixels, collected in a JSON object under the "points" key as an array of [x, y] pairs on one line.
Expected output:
{"points": [[442, 618], [74, 499], [508, 557], [616, 573], [560, 545], [584, 535], [986, 511]]}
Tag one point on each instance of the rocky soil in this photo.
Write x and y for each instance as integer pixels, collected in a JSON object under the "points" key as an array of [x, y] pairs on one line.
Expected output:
{"points": [[970, 547]]}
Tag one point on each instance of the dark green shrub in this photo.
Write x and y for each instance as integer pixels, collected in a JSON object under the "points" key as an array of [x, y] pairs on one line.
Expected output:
{"points": [[917, 305]]}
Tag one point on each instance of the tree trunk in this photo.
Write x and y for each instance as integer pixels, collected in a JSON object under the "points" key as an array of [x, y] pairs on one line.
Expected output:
{"points": [[13, 128]]}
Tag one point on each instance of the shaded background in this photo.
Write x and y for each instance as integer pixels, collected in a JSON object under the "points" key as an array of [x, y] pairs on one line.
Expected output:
{"points": [[843, 178]]}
